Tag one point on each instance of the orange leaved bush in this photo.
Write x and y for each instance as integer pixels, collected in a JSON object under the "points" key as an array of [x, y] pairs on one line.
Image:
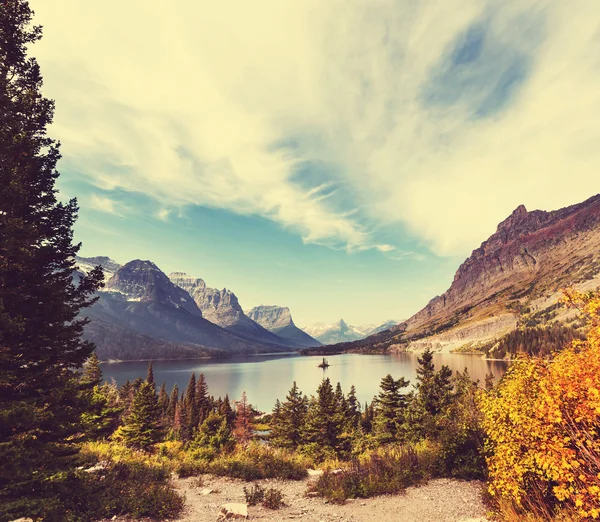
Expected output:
{"points": [[543, 426]]}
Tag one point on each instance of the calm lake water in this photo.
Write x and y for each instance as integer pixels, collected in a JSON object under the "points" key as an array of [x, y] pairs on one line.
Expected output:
{"points": [[266, 378]]}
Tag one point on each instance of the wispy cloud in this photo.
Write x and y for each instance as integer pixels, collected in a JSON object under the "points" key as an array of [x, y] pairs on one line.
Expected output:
{"points": [[442, 116], [103, 204]]}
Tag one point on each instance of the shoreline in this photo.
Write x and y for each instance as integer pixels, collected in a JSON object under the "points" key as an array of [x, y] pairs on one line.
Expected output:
{"points": [[204, 358]]}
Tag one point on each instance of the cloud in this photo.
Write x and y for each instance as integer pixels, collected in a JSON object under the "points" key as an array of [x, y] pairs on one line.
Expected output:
{"points": [[333, 118], [163, 214], [103, 204]]}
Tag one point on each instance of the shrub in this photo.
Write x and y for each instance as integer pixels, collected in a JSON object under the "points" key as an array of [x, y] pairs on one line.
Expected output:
{"points": [[543, 428], [258, 462], [387, 470], [254, 495], [273, 499]]}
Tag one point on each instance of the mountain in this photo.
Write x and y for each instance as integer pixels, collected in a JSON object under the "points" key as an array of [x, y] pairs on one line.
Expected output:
{"points": [[341, 331], [338, 332], [512, 282], [222, 307], [278, 319], [141, 311], [86, 264]]}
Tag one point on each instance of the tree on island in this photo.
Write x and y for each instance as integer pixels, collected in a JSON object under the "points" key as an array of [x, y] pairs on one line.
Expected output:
{"points": [[41, 348]]}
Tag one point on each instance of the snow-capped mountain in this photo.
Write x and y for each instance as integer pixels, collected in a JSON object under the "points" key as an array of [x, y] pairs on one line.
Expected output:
{"points": [[86, 264], [278, 319], [340, 332], [144, 281], [141, 314]]}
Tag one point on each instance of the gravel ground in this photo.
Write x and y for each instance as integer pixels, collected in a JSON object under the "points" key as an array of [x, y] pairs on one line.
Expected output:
{"points": [[439, 500]]}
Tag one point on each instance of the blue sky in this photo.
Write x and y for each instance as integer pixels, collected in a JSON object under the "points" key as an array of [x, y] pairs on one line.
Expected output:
{"points": [[340, 158]]}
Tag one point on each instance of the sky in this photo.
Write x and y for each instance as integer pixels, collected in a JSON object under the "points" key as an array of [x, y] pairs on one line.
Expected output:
{"points": [[341, 158]]}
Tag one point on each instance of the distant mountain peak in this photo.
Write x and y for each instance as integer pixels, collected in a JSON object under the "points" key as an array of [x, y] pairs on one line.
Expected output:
{"points": [[86, 264], [221, 307], [142, 280], [278, 319]]}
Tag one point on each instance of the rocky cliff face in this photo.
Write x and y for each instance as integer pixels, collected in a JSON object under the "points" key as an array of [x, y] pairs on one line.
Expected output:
{"points": [[531, 253], [218, 306], [520, 269], [222, 307], [278, 319], [143, 281]]}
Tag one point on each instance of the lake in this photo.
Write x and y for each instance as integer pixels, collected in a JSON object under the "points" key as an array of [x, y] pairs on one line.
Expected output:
{"points": [[266, 378]]}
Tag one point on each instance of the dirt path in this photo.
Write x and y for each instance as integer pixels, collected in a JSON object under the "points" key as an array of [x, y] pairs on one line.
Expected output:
{"points": [[440, 500]]}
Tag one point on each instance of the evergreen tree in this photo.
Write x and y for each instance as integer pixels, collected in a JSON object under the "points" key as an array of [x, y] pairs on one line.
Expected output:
{"points": [[390, 407], [179, 420], [368, 416], [227, 411], [102, 415], [135, 385], [243, 420], [190, 415], [173, 400], [324, 422], [163, 403], [203, 401], [150, 374], [433, 396], [92, 374], [352, 409], [41, 349], [142, 426], [340, 399], [290, 419], [213, 433]]}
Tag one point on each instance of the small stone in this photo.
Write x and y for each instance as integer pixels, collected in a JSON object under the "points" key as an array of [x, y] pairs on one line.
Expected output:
{"points": [[206, 491], [233, 510]]}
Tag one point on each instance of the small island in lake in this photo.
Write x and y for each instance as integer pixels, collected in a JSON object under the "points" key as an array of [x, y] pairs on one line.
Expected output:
{"points": [[324, 364]]}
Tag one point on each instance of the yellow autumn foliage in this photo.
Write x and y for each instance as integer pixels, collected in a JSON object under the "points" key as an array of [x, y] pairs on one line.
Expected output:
{"points": [[543, 426]]}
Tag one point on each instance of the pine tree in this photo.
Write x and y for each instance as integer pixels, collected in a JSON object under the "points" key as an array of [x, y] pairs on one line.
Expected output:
{"points": [[390, 407], [243, 420], [227, 411], [142, 426], [352, 409], [190, 415], [163, 403], [102, 415], [433, 396], [41, 349], [340, 399], [92, 374], [203, 401], [290, 419], [324, 422], [150, 374], [213, 433], [173, 400]]}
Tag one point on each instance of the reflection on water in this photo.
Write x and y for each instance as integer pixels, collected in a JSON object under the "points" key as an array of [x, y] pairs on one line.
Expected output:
{"points": [[266, 378]]}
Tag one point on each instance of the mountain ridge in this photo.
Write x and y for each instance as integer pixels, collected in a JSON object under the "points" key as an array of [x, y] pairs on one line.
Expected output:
{"points": [[278, 319], [512, 279]]}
